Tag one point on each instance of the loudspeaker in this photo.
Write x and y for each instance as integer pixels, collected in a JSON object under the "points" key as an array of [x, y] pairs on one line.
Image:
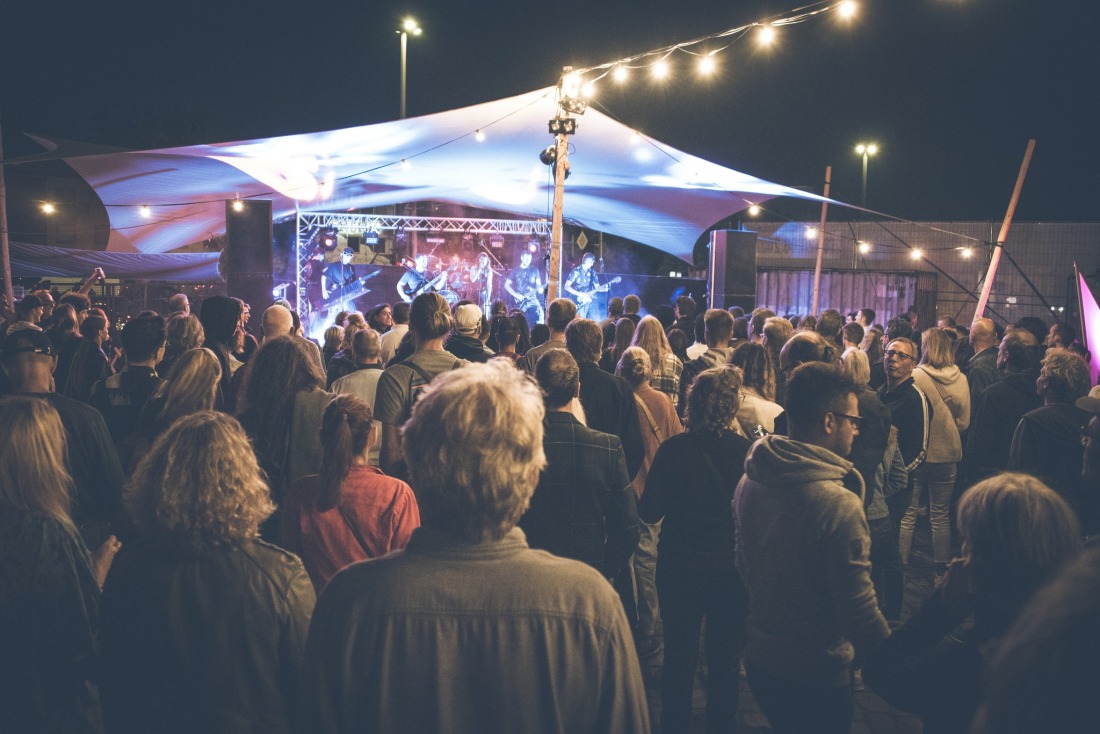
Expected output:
{"points": [[732, 273], [248, 247], [248, 238]]}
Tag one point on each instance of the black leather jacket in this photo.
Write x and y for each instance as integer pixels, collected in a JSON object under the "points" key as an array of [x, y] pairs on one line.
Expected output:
{"points": [[211, 642]]}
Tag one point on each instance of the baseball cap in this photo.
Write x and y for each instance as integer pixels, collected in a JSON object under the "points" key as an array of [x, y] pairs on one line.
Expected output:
{"points": [[1091, 402], [27, 341], [467, 318]]}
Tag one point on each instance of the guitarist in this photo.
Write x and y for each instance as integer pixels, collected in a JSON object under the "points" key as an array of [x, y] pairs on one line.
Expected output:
{"points": [[338, 275], [524, 284], [583, 284], [415, 282]]}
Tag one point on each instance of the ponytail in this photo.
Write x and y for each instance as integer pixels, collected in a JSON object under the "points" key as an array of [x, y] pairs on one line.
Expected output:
{"points": [[345, 430]]}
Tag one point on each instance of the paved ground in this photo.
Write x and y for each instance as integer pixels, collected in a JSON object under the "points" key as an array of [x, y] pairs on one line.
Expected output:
{"points": [[872, 715]]}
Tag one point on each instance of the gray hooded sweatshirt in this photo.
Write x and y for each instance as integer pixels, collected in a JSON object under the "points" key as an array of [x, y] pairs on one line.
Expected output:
{"points": [[803, 552]]}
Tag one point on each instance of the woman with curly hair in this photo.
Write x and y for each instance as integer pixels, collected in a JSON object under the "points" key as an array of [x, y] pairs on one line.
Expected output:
{"points": [[665, 366], [691, 485], [181, 333], [49, 582], [281, 407], [351, 511], [204, 626]]}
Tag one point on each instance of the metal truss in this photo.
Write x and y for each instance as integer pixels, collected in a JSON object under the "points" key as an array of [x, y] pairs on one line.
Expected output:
{"points": [[382, 222]]}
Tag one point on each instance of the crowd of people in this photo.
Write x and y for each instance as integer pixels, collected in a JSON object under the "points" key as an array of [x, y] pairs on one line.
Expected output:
{"points": [[444, 520]]}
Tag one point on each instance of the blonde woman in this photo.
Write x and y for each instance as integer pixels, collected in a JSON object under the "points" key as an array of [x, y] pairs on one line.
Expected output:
{"points": [[204, 625], [949, 395], [49, 583], [666, 366]]}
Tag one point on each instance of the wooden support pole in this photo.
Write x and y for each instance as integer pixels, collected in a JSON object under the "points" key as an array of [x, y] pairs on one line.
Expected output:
{"points": [[561, 166], [821, 241], [5, 255], [995, 259]]}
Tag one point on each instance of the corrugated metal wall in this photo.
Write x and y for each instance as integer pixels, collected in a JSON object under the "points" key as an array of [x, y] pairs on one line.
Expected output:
{"points": [[1044, 252]]}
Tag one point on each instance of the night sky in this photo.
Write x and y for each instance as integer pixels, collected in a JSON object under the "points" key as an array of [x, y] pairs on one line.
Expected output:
{"points": [[950, 89]]}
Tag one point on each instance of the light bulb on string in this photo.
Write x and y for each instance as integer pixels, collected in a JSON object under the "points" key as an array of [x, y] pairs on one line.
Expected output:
{"points": [[864, 248], [847, 9], [588, 90], [146, 212], [916, 253], [967, 252], [620, 73], [811, 232], [48, 208], [480, 136], [660, 70], [766, 35], [707, 65], [754, 210], [238, 205]]}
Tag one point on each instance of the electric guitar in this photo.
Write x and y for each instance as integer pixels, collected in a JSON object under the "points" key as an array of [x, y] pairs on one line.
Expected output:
{"points": [[583, 299], [430, 284]]}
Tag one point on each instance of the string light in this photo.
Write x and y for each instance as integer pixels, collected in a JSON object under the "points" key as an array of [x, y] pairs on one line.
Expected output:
{"points": [[480, 136], [864, 248], [620, 74], [916, 253], [846, 9], [405, 165], [754, 210], [967, 252], [48, 208], [811, 232], [146, 212], [707, 65], [660, 70], [238, 205], [766, 35]]}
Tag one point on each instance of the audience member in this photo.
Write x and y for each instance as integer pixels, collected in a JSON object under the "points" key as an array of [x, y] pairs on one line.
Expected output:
{"points": [[463, 341], [281, 406], [624, 335], [607, 400], [393, 337], [688, 493], [90, 364], [400, 385], [351, 511], [758, 409], [718, 328], [685, 314], [181, 333], [1001, 405], [1047, 440], [363, 382], [191, 387], [503, 649], [203, 625], [558, 315], [658, 421], [49, 582], [1016, 534], [981, 370], [90, 456], [121, 397], [802, 550], [948, 396]]}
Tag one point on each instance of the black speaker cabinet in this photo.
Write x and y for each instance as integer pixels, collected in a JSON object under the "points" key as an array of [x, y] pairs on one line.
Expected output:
{"points": [[732, 271], [248, 242]]}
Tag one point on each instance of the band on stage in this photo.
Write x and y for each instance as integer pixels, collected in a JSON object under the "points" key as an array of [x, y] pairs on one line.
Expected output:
{"points": [[482, 281]]}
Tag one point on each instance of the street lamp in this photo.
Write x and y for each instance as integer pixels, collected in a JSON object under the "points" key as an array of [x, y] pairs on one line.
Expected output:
{"points": [[407, 26], [866, 150]]}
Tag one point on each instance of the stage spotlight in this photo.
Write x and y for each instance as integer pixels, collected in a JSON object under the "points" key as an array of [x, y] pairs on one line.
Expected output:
{"points": [[329, 238], [533, 246], [549, 157]]}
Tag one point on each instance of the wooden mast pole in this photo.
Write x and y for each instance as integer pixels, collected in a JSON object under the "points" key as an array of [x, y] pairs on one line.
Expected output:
{"points": [[995, 259], [821, 240]]}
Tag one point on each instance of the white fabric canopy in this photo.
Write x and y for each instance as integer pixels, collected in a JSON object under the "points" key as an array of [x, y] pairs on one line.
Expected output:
{"points": [[622, 183]]}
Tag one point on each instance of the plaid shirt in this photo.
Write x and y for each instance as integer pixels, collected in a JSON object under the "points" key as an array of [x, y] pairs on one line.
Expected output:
{"points": [[666, 377]]}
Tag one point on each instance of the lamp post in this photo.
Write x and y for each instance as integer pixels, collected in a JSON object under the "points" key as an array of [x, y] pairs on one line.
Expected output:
{"points": [[407, 26], [866, 150]]}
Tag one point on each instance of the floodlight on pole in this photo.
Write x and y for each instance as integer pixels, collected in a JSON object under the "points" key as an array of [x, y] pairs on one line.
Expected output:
{"points": [[407, 26], [866, 150]]}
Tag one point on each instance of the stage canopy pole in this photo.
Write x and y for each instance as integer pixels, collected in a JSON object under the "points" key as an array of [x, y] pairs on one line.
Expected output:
{"points": [[5, 257], [995, 258], [821, 240], [561, 127]]}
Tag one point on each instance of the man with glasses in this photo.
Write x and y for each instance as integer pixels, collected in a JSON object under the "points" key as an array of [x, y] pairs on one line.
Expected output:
{"points": [[910, 413], [802, 548]]}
